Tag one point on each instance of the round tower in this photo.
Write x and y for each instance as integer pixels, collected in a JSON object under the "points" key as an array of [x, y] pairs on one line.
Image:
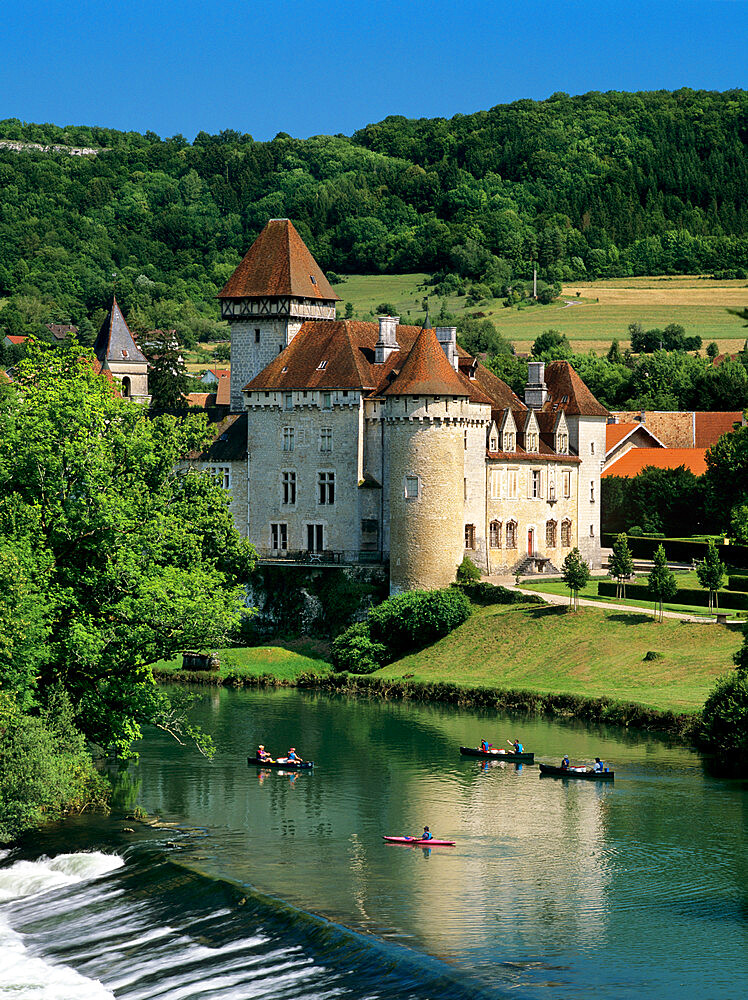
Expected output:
{"points": [[426, 490], [426, 405]]}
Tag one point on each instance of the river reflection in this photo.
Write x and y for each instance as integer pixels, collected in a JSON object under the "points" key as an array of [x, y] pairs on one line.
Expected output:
{"points": [[571, 886]]}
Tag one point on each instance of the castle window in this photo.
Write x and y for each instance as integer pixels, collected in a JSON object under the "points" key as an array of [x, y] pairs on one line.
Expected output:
{"points": [[326, 400], [532, 442], [494, 483], [465, 439], [326, 488], [257, 335], [288, 484], [412, 487], [511, 534], [469, 536], [535, 484], [512, 484], [592, 531], [288, 400], [563, 443], [550, 534], [566, 533], [222, 474], [126, 390], [493, 444], [509, 442], [567, 484], [325, 439], [288, 438], [592, 447], [279, 537], [592, 490], [494, 534], [464, 489]]}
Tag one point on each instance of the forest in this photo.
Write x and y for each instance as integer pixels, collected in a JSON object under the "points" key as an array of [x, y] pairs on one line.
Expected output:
{"points": [[585, 187]]}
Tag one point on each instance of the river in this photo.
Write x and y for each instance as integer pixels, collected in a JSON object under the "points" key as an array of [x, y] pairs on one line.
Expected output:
{"points": [[279, 885]]}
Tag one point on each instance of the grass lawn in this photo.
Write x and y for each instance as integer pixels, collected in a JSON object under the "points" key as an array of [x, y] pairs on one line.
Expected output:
{"points": [[591, 652], [689, 579], [601, 312], [254, 661]]}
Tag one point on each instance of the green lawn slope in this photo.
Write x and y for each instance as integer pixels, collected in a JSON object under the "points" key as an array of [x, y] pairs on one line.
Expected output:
{"points": [[249, 662], [591, 652]]}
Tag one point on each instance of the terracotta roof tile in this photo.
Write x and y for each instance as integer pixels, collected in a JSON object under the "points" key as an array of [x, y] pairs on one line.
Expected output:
{"points": [[710, 426], [569, 393], [637, 459], [16, 338], [427, 372], [278, 263], [223, 392]]}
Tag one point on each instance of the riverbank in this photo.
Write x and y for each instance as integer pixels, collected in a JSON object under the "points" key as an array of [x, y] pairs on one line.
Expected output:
{"points": [[589, 664]]}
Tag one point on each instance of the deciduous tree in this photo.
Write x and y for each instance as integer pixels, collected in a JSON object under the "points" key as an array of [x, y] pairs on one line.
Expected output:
{"points": [[661, 582], [621, 564], [711, 573], [576, 575]]}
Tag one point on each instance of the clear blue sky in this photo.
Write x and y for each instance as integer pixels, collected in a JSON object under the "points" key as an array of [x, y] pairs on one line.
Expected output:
{"points": [[308, 68]]}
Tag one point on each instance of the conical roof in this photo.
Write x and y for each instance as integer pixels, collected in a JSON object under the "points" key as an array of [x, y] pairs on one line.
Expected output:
{"points": [[426, 371], [278, 263], [115, 342]]}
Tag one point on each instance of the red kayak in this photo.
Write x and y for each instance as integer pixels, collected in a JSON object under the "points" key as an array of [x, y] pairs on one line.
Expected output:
{"points": [[418, 842]]}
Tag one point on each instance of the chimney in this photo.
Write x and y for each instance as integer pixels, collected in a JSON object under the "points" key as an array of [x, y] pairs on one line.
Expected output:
{"points": [[536, 391], [387, 342], [447, 337], [642, 417]]}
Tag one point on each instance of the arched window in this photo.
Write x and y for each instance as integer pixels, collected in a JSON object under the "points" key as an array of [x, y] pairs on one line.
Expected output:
{"points": [[511, 534], [494, 534], [469, 536], [566, 533], [550, 534], [126, 386]]}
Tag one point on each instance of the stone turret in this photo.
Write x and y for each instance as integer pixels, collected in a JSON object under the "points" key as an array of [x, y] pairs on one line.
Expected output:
{"points": [[117, 352], [273, 291]]}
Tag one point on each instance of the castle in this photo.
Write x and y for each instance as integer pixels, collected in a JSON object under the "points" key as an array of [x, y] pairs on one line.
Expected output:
{"points": [[387, 443]]}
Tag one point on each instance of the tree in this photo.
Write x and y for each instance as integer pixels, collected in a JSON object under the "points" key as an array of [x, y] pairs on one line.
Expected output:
{"points": [[576, 575], [222, 352], [711, 573], [726, 476], [551, 345], [739, 523], [661, 582], [712, 350], [621, 564], [349, 310], [724, 720], [168, 380], [614, 353], [133, 560]]}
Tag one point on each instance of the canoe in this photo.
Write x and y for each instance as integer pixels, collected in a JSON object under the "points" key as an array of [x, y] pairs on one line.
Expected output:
{"points": [[567, 772], [303, 765], [513, 758], [414, 842]]}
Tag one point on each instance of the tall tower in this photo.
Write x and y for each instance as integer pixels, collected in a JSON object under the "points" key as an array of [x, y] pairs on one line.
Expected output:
{"points": [[272, 292], [426, 407], [117, 352]]}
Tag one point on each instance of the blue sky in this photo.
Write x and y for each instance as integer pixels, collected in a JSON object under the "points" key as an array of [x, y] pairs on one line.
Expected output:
{"points": [[308, 68]]}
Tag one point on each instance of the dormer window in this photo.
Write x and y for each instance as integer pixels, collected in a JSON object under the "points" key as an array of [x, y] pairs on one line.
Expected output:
{"points": [[493, 444], [509, 442], [321, 366]]}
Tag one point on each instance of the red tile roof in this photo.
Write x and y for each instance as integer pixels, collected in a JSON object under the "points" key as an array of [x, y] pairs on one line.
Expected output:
{"points": [[569, 393], [710, 426], [427, 372], [615, 433], [637, 459], [223, 392], [16, 338], [278, 263]]}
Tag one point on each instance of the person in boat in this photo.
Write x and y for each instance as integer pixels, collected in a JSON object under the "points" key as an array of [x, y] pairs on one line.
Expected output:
{"points": [[426, 834], [518, 747], [262, 754], [598, 767], [292, 757], [485, 746], [565, 763]]}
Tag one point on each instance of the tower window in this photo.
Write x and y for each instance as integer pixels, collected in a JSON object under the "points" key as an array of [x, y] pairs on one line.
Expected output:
{"points": [[412, 487], [325, 439], [288, 400], [288, 483], [326, 400], [257, 335], [279, 537], [469, 536], [592, 490], [288, 438], [592, 447]]}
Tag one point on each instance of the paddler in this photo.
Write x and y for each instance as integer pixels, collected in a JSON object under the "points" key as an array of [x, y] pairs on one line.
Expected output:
{"points": [[292, 757], [426, 834], [518, 747], [262, 754], [565, 763], [485, 746]]}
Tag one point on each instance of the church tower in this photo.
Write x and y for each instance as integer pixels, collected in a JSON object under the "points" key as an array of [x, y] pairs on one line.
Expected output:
{"points": [[272, 292], [117, 352]]}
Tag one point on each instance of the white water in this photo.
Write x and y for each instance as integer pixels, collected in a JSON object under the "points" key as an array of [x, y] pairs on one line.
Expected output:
{"points": [[24, 976]]}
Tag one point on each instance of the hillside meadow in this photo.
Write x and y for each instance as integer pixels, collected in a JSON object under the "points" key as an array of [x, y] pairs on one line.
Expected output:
{"points": [[591, 314]]}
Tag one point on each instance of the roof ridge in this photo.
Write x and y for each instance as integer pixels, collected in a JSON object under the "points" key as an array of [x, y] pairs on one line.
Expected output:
{"points": [[427, 371]]}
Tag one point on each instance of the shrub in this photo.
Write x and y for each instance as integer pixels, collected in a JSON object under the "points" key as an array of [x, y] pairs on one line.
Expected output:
{"points": [[417, 618], [724, 721], [486, 594], [652, 654], [353, 650], [467, 571], [636, 531]]}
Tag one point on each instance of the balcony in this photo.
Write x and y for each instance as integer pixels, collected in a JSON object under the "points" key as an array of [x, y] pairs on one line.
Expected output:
{"points": [[326, 557]]}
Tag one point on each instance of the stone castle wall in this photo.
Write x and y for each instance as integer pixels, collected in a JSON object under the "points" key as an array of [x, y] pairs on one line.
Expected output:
{"points": [[249, 355]]}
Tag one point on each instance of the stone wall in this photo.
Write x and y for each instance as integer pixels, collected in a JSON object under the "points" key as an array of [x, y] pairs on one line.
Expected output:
{"points": [[250, 355], [588, 437]]}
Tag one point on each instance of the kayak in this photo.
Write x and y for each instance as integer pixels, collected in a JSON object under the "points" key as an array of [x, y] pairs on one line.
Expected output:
{"points": [[419, 843], [287, 765], [510, 755], [569, 772]]}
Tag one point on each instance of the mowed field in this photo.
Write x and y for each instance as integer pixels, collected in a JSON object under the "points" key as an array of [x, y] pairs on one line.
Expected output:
{"points": [[590, 652], [591, 319]]}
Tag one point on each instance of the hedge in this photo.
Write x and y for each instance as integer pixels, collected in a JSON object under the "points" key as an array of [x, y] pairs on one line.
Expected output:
{"points": [[737, 582], [680, 551], [486, 594], [684, 595]]}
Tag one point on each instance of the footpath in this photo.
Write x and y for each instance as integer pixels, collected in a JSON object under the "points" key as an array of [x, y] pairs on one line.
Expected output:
{"points": [[684, 616]]}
